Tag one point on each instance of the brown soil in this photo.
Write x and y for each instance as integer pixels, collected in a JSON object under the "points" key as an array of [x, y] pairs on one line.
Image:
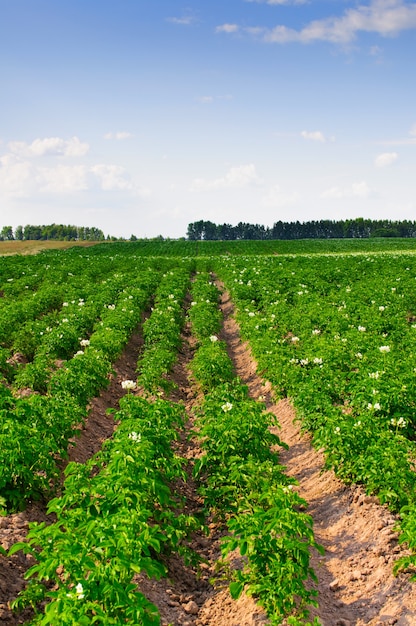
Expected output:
{"points": [[356, 585]]}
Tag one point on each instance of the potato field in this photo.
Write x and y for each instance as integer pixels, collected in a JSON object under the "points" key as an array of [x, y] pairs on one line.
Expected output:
{"points": [[209, 434]]}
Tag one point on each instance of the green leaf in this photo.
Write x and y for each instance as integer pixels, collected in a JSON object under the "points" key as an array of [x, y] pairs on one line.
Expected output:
{"points": [[21, 545], [236, 589]]}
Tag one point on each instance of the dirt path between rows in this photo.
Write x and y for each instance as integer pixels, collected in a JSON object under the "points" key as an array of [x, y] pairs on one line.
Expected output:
{"points": [[356, 584]]}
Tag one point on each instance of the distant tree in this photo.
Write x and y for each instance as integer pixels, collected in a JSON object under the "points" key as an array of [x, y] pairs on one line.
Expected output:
{"points": [[19, 233], [6, 233], [195, 231], [226, 232], [210, 231], [385, 232], [59, 232], [314, 229], [93, 234], [32, 233]]}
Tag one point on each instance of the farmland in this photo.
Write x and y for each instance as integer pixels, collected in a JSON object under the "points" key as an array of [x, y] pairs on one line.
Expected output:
{"points": [[143, 395]]}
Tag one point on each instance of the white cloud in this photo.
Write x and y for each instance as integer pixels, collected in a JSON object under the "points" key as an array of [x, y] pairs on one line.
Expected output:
{"points": [[211, 99], [276, 198], [316, 135], [376, 51], [361, 190], [227, 28], [116, 178], [403, 141], [278, 2], [358, 190], [386, 158], [112, 177], [186, 20], [75, 148], [63, 179], [236, 177], [53, 146], [119, 136], [16, 176], [23, 177], [384, 17], [205, 99]]}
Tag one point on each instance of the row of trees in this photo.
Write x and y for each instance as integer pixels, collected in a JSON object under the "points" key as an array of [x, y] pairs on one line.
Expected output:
{"points": [[58, 232], [322, 229]]}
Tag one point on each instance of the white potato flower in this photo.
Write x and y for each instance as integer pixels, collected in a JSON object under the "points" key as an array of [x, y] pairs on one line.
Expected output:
{"points": [[128, 385]]}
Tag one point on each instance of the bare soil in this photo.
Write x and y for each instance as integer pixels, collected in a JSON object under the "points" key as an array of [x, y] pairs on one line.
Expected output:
{"points": [[356, 585]]}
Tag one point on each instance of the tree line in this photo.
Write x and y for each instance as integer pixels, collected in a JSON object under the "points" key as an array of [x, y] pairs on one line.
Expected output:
{"points": [[323, 229], [59, 232]]}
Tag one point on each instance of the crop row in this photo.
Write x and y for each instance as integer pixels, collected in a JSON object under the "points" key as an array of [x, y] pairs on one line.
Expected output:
{"points": [[243, 484], [161, 332]]}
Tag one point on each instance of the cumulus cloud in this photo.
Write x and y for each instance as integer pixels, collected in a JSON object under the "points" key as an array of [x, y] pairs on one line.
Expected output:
{"points": [[21, 177], [112, 177], [119, 136], [236, 177], [383, 17], [227, 28], [386, 158], [358, 190], [63, 179], [49, 146], [315, 135], [17, 177]]}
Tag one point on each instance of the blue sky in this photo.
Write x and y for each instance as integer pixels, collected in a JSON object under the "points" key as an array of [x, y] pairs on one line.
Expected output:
{"points": [[141, 116]]}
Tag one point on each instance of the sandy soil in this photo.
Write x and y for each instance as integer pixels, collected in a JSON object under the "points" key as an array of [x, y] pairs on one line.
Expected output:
{"points": [[356, 585]]}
